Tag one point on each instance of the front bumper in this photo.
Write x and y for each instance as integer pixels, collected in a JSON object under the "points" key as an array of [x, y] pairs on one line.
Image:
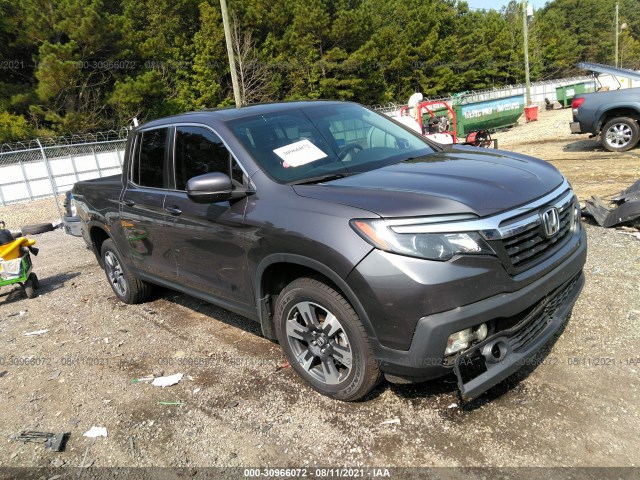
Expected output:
{"points": [[424, 359], [499, 356], [575, 127]]}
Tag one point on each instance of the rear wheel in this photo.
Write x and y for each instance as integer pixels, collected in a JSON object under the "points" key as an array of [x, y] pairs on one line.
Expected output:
{"points": [[324, 340], [127, 288], [620, 134]]}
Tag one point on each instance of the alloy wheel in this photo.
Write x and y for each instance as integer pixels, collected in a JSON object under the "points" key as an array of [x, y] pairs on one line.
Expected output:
{"points": [[319, 342], [619, 135], [115, 273]]}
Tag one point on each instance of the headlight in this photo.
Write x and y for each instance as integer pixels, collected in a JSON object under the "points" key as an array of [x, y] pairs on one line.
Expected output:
{"points": [[72, 208], [432, 246]]}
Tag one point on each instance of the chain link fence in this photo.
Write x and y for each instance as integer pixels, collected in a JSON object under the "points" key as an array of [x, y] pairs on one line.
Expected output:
{"points": [[35, 175]]}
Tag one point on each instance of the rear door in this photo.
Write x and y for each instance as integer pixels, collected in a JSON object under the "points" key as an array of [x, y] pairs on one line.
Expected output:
{"points": [[143, 219], [209, 239]]}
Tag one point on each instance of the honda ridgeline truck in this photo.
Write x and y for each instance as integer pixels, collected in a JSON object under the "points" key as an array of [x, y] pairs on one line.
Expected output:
{"points": [[363, 248]]}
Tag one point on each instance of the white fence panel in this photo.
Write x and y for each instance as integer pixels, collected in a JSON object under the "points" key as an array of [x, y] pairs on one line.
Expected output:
{"points": [[61, 166], [15, 192], [41, 188], [34, 173], [108, 160], [36, 170], [12, 173], [65, 182], [86, 163]]}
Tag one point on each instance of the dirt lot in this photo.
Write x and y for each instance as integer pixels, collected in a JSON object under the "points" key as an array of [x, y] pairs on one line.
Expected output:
{"points": [[237, 407]]}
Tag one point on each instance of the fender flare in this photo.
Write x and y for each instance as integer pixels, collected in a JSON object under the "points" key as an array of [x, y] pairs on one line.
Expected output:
{"points": [[267, 329], [603, 112], [91, 224]]}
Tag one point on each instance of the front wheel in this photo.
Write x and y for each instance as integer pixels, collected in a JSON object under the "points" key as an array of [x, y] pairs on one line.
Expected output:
{"points": [[324, 340], [620, 134], [34, 280], [29, 289], [127, 288]]}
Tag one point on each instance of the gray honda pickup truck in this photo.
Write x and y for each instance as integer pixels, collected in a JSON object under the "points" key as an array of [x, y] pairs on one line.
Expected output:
{"points": [[364, 249]]}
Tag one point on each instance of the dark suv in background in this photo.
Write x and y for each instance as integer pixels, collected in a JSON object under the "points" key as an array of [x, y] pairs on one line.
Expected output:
{"points": [[614, 115], [361, 246]]}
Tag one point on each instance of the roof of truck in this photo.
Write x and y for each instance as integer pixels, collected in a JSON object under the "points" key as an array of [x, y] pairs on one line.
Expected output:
{"points": [[225, 114]]}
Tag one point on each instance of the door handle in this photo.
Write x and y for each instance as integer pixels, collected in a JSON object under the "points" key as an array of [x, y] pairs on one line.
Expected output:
{"points": [[175, 211], [129, 203]]}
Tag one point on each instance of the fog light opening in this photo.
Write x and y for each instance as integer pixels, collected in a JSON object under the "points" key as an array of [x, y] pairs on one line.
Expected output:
{"points": [[461, 340], [495, 352]]}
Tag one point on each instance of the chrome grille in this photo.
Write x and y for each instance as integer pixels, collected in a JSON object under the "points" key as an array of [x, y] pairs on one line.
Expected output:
{"points": [[530, 245]]}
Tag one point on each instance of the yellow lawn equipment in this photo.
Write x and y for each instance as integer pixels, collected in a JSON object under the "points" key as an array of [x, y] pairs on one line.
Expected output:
{"points": [[15, 262]]}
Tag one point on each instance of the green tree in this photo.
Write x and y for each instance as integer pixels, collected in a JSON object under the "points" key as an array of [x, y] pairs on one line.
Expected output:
{"points": [[14, 128]]}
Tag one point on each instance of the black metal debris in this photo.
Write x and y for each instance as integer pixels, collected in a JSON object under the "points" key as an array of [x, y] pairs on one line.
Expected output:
{"points": [[627, 210], [52, 441]]}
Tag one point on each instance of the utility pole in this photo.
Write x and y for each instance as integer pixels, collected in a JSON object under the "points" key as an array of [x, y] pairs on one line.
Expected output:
{"points": [[525, 24], [232, 62], [617, 33]]}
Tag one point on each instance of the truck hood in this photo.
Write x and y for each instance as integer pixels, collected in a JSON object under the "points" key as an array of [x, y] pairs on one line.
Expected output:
{"points": [[461, 179]]}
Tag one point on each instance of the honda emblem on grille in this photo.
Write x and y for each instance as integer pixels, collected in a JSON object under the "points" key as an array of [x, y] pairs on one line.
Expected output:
{"points": [[551, 221]]}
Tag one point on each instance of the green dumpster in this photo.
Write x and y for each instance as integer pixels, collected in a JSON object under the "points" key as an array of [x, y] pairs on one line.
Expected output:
{"points": [[488, 114], [565, 93]]}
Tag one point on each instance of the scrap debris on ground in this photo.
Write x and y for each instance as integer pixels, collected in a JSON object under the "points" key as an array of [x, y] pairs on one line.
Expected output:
{"points": [[625, 212], [52, 441]]}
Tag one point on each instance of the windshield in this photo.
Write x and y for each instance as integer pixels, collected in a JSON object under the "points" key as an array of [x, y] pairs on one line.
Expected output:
{"points": [[324, 141]]}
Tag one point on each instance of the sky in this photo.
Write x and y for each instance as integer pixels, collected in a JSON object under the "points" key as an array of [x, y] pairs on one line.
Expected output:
{"points": [[498, 4]]}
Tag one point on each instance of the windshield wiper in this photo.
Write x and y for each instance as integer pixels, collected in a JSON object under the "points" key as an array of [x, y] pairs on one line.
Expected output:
{"points": [[319, 179]]}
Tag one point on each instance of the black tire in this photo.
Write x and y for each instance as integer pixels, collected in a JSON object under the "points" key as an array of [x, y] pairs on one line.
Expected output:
{"points": [[620, 134], [127, 288], [324, 340], [37, 228], [34, 280], [29, 289]]}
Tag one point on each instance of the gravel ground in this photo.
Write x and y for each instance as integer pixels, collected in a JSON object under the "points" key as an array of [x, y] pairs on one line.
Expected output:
{"points": [[18, 215], [238, 407]]}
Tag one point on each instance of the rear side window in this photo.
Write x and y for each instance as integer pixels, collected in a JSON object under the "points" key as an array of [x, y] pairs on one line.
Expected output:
{"points": [[198, 151], [148, 171]]}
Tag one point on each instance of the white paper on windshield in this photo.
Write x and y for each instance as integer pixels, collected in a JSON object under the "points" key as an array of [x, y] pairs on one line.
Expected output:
{"points": [[299, 153]]}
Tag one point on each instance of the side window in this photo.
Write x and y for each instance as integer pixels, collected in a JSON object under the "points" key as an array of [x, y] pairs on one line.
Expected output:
{"points": [[198, 151], [150, 149]]}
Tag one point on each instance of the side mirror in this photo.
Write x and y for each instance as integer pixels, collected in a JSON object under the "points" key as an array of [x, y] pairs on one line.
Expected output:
{"points": [[210, 188]]}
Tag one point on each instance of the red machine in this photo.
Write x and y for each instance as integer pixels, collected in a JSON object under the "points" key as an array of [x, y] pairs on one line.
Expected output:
{"points": [[442, 128]]}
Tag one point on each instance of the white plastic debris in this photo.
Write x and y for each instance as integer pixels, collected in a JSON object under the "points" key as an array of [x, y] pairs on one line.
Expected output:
{"points": [[453, 405], [393, 421], [196, 390], [167, 381], [37, 332], [94, 432]]}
